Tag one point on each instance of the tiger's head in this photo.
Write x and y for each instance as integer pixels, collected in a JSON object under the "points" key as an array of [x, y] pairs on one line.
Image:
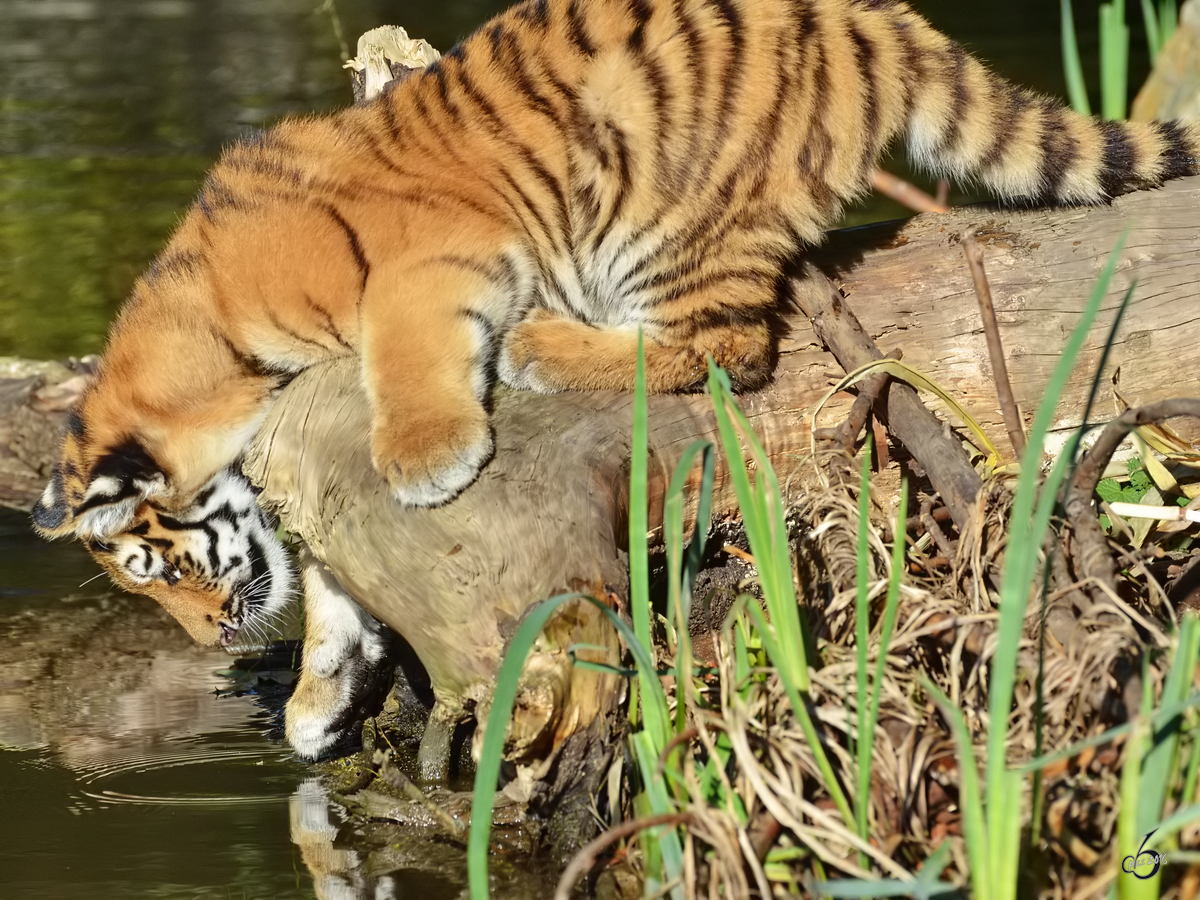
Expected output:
{"points": [[216, 565], [171, 405]]}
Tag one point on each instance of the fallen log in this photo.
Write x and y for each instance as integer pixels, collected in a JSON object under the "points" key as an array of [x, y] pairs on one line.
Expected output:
{"points": [[548, 513]]}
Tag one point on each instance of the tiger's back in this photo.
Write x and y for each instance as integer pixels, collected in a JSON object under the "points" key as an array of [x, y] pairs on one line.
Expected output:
{"points": [[573, 171], [642, 163]]}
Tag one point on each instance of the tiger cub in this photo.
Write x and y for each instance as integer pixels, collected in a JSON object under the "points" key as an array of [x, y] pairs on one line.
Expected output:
{"points": [[570, 173]]}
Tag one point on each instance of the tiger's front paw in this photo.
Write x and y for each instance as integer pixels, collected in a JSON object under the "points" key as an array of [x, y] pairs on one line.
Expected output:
{"points": [[320, 720], [431, 462], [340, 685]]}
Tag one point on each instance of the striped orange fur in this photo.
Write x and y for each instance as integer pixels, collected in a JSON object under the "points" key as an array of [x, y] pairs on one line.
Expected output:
{"points": [[572, 171]]}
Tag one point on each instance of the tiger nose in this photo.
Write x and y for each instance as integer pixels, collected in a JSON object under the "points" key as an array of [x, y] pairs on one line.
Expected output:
{"points": [[228, 633]]}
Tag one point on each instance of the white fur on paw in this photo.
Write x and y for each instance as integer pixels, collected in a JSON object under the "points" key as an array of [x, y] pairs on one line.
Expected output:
{"points": [[310, 732], [446, 484], [523, 378], [336, 624], [342, 637], [327, 657], [371, 647]]}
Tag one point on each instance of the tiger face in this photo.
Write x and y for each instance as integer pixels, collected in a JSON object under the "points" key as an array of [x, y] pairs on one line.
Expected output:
{"points": [[217, 566]]}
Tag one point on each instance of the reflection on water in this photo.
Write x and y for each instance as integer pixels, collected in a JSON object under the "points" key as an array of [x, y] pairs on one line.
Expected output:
{"points": [[113, 110], [122, 772], [375, 859], [340, 872], [128, 768]]}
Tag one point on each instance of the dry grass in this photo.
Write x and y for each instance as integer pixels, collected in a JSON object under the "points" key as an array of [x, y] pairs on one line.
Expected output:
{"points": [[945, 633]]}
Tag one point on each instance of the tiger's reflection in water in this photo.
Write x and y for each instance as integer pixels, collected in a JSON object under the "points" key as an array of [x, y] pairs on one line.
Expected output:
{"points": [[336, 871], [356, 860], [100, 682]]}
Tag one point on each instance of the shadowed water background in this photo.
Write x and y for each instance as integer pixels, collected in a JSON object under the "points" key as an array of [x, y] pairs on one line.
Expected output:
{"points": [[122, 772]]}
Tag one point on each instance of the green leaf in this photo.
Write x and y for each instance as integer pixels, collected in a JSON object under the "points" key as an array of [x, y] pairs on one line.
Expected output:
{"points": [[1110, 490], [487, 773], [1139, 479], [1072, 67]]}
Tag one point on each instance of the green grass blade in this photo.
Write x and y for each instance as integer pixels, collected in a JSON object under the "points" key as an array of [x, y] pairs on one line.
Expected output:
{"points": [[869, 699], [487, 773], [1093, 392], [649, 695], [797, 700], [1153, 35], [761, 507], [1160, 718], [934, 865], [695, 557], [680, 575], [1026, 536], [762, 515], [639, 528], [1072, 67], [1192, 773], [1039, 709], [886, 887], [1114, 60], [1128, 835], [507, 681], [971, 801], [1168, 18], [1006, 844], [1028, 523], [741, 657], [683, 570], [1173, 823], [667, 844], [862, 616], [887, 626], [1160, 758]]}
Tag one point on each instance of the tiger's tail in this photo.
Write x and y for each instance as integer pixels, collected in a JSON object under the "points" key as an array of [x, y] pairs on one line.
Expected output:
{"points": [[963, 121]]}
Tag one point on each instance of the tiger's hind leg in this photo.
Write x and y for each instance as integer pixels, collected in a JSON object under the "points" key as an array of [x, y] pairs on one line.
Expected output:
{"points": [[346, 670], [548, 353]]}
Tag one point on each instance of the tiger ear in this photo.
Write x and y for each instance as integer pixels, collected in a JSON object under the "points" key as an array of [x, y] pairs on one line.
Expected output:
{"points": [[50, 514], [120, 481]]}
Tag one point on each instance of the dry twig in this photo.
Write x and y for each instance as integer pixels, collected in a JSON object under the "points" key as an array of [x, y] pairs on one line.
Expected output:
{"points": [[911, 196], [906, 417], [586, 858], [987, 310], [1092, 558]]}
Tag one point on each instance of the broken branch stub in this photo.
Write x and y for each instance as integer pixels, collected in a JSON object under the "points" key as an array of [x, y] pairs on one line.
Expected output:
{"points": [[386, 54]]}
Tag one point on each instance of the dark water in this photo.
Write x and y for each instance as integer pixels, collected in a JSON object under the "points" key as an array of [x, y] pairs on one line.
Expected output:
{"points": [[122, 772], [133, 766]]}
